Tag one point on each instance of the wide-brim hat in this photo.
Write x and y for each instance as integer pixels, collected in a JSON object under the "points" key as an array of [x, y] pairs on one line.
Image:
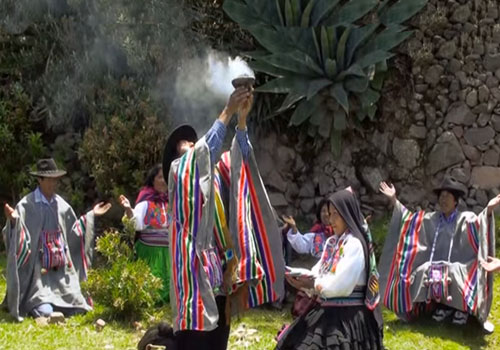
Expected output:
{"points": [[452, 185], [182, 132], [47, 168]]}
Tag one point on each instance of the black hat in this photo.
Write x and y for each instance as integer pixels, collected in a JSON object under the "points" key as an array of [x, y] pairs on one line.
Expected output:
{"points": [[451, 185], [47, 168], [182, 132]]}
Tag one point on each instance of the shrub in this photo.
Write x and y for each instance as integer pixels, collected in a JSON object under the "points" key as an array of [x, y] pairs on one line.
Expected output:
{"points": [[124, 285]]}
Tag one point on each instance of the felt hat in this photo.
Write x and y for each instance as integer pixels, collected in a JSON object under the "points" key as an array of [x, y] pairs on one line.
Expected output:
{"points": [[182, 132], [450, 184], [47, 168]]}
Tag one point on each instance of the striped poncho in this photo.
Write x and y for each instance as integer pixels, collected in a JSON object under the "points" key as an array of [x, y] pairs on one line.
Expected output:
{"points": [[410, 282], [200, 241]]}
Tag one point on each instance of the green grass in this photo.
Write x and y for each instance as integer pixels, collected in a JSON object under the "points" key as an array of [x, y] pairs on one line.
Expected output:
{"points": [[259, 328]]}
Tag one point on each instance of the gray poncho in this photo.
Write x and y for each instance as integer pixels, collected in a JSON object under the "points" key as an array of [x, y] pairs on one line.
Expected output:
{"points": [[429, 259], [29, 252]]}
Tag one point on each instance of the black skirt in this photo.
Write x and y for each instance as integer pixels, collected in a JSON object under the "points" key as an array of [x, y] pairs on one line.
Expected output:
{"points": [[333, 328]]}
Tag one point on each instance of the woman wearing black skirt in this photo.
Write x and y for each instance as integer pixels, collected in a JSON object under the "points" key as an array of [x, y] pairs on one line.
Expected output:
{"points": [[345, 282]]}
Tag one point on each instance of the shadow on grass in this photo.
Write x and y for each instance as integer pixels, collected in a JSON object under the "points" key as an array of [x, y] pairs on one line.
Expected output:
{"points": [[470, 335]]}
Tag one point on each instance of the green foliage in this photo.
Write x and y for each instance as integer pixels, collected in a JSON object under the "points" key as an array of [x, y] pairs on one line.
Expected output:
{"points": [[124, 140], [124, 285], [328, 56], [20, 143]]}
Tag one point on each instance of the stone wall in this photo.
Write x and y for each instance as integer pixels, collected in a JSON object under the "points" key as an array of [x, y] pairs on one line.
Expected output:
{"points": [[440, 114]]}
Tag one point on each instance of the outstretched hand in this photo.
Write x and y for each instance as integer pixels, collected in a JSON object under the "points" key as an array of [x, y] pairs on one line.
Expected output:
{"points": [[125, 203], [492, 265], [389, 191], [493, 203], [237, 100], [101, 208], [10, 213], [290, 221]]}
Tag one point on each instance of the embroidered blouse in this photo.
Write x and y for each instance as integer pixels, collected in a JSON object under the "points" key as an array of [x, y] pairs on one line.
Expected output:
{"points": [[341, 267], [307, 243]]}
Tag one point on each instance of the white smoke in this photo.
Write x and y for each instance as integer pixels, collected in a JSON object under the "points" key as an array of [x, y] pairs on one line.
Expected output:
{"points": [[222, 71]]}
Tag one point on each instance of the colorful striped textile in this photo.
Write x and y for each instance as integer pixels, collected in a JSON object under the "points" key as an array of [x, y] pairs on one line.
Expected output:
{"points": [[153, 238], [221, 231], [53, 250], [24, 248], [356, 298], [256, 262], [470, 284], [81, 229], [397, 291], [186, 216]]}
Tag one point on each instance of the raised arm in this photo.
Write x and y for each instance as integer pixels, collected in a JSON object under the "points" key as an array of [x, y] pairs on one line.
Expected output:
{"points": [[389, 191]]}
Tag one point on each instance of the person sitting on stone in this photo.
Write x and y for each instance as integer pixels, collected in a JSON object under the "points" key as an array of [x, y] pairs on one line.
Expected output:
{"points": [[311, 242], [150, 218], [430, 259], [49, 249]]}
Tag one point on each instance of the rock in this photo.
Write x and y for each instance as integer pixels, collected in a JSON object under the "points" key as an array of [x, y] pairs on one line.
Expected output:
{"points": [[307, 190], [460, 114], [285, 158], [461, 14], [461, 174], [483, 93], [372, 177], [418, 132], [471, 98], [495, 122], [445, 153], [458, 131], [292, 191], [381, 141], [495, 92], [479, 136], [431, 138], [483, 119], [56, 318], [406, 152], [485, 177], [447, 50], [490, 157], [454, 66], [307, 205], [41, 321], [277, 199], [99, 325], [491, 62], [481, 198], [326, 184], [433, 75], [276, 181], [266, 163]]}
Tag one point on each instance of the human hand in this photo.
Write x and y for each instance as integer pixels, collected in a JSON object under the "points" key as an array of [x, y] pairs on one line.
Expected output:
{"points": [[239, 95], [124, 202], [290, 221], [389, 191], [101, 208], [493, 203], [10, 213], [300, 282], [492, 265]]}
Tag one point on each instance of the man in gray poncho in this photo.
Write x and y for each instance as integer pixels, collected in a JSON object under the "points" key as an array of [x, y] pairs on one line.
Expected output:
{"points": [[431, 261], [48, 249]]}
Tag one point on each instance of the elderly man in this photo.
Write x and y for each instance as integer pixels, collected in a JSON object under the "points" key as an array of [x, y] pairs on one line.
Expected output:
{"points": [[430, 260], [48, 249], [214, 255]]}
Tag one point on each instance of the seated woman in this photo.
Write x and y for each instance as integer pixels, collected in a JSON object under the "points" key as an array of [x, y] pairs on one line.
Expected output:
{"points": [[346, 281], [151, 223], [313, 241]]}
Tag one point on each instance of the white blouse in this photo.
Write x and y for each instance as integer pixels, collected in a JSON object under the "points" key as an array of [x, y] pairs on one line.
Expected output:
{"points": [[341, 267]]}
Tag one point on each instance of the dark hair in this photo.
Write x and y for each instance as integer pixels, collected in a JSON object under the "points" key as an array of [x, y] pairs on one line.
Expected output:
{"points": [[320, 206], [150, 178], [456, 194], [161, 334]]}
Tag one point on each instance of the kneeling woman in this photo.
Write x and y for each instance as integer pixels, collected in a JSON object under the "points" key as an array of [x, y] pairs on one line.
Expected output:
{"points": [[345, 281]]}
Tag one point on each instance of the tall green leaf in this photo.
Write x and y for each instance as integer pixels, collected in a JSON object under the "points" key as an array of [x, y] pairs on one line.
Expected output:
{"points": [[316, 85], [339, 119], [338, 92], [321, 11], [303, 111], [269, 38], [336, 142], [373, 58], [331, 68], [356, 38], [306, 15], [356, 84], [289, 101], [285, 85], [327, 121], [341, 48], [264, 67], [385, 40], [296, 62], [351, 12], [401, 11]]}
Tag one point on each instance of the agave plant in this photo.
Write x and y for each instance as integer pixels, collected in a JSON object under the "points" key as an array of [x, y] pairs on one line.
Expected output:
{"points": [[328, 56]]}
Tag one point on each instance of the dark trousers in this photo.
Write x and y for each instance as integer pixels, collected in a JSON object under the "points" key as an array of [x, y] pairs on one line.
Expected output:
{"points": [[213, 340]]}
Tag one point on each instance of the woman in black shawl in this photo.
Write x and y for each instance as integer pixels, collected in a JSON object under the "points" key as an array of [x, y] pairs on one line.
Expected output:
{"points": [[345, 282]]}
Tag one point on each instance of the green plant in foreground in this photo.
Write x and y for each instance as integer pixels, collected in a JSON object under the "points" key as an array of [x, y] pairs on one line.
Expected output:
{"points": [[328, 56]]}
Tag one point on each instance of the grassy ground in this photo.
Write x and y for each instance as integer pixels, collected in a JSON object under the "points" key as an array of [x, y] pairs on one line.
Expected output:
{"points": [[255, 330]]}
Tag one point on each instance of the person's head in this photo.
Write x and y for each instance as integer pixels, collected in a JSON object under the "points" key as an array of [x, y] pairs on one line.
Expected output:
{"points": [[161, 334], [449, 193], [155, 179], [183, 146], [180, 140], [322, 212], [345, 213], [48, 185], [448, 201]]}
